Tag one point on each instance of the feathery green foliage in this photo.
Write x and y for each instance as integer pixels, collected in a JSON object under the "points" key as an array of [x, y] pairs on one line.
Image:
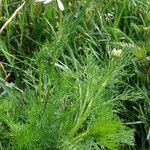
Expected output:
{"points": [[77, 79]]}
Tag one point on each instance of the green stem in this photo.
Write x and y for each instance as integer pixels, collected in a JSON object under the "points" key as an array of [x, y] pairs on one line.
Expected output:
{"points": [[0, 8], [80, 121]]}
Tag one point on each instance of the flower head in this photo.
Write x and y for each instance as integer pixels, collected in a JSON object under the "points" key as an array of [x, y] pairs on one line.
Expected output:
{"points": [[60, 4], [116, 52]]}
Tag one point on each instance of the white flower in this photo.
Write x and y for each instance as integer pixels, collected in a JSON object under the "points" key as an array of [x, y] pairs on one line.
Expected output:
{"points": [[60, 4], [116, 52]]}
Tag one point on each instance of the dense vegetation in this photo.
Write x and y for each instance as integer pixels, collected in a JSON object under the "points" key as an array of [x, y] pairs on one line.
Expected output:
{"points": [[77, 79]]}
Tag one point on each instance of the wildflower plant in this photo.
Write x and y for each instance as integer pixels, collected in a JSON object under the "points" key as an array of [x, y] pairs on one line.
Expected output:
{"points": [[66, 92]]}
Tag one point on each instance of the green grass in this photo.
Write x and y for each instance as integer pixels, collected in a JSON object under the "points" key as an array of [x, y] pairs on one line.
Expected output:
{"points": [[62, 86]]}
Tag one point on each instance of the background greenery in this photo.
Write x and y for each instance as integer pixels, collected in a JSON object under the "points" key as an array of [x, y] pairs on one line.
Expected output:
{"points": [[62, 86]]}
